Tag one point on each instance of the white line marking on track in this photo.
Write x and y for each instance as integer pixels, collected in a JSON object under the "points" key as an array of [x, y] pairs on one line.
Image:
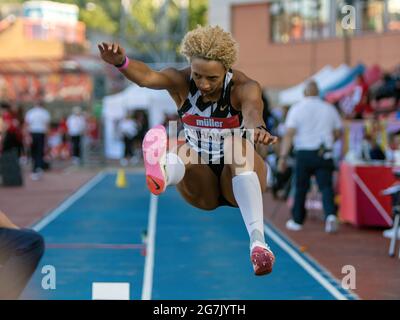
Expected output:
{"points": [[303, 263], [149, 262], [110, 291], [68, 202]]}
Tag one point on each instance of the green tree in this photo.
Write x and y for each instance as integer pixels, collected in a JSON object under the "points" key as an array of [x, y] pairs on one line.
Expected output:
{"points": [[99, 15], [152, 28], [197, 13], [156, 27]]}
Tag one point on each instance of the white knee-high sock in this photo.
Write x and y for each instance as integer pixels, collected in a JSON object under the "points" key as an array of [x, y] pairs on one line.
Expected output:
{"points": [[174, 168], [247, 192]]}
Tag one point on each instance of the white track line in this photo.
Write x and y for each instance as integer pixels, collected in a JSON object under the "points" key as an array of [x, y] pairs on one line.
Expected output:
{"points": [[110, 291], [149, 262], [303, 263], [68, 202]]}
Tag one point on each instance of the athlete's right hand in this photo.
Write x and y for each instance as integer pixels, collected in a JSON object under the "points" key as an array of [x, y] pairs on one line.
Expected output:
{"points": [[111, 53]]}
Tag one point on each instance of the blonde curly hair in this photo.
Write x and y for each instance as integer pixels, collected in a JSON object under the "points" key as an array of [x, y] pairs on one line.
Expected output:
{"points": [[210, 43]]}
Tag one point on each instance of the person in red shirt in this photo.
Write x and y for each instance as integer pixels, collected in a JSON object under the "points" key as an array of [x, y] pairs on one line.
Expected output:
{"points": [[18, 116], [13, 136], [363, 108], [8, 118]]}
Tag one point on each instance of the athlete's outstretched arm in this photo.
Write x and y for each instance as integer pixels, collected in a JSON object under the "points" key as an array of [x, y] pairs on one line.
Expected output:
{"points": [[252, 110], [138, 72]]}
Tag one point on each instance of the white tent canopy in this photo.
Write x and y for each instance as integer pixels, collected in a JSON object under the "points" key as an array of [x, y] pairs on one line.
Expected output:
{"points": [[324, 78], [156, 102]]}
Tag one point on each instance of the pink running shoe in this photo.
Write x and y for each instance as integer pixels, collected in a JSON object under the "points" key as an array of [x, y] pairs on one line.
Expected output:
{"points": [[154, 150], [263, 260]]}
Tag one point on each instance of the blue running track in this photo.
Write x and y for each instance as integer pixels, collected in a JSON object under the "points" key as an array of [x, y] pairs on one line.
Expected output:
{"points": [[96, 236]]}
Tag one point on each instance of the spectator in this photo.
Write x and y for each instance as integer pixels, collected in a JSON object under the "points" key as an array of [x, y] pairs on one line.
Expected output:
{"points": [[271, 123], [313, 125], [377, 152], [37, 119], [128, 130], [356, 105], [370, 149], [54, 141], [281, 182], [143, 126], [76, 128], [268, 117], [362, 108], [387, 89], [12, 131], [18, 115], [63, 130], [20, 253], [2, 127], [397, 91], [362, 85], [64, 149]]}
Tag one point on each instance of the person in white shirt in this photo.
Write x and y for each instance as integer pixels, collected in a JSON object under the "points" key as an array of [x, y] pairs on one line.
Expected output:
{"points": [[312, 125], [37, 120], [128, 130], [76, 125]]}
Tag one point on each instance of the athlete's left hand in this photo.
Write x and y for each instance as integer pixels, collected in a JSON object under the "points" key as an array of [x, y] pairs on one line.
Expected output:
{"points": [[261, 135]]}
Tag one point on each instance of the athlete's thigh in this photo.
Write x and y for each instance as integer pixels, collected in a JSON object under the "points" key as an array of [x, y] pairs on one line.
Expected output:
{"points": [[228, 174], [199, 186]]}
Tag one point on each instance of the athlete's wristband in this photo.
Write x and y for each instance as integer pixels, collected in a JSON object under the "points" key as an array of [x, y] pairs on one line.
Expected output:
{"points": [[123, 65]]}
